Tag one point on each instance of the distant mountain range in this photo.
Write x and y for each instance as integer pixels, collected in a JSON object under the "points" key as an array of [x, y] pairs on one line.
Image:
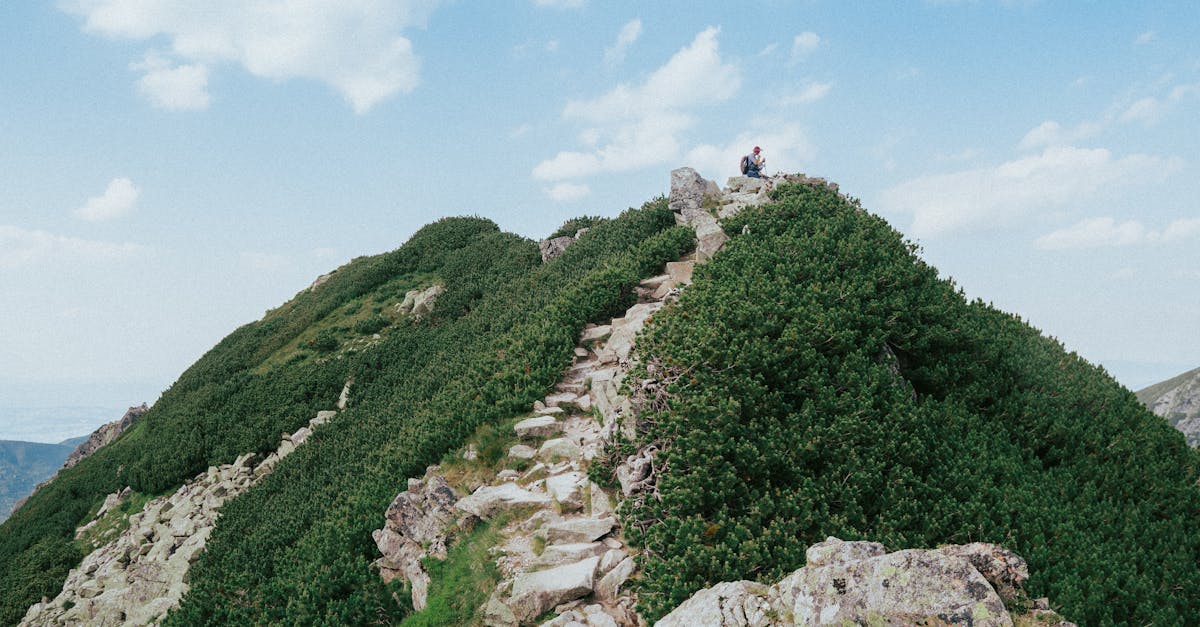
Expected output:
{"points": [[23, 465], [1178, 400]]}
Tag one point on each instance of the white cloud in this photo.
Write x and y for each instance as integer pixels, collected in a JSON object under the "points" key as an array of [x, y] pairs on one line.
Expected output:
{"points": [[560, 4], [768, 49], [1106, 232], [1145, 38], [1092, 233], [1181, 229], [21, 247], [984, 197], [808, 94], [520, 131], [175, 88], [118, 199], [1146, 110], [634, 126], [1051, 133], [353, 46], [568, 192], [805, 43], [785, 146], [615, 54]]}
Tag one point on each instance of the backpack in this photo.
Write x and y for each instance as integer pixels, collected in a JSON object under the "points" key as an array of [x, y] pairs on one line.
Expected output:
{"points": [[745, 164]]}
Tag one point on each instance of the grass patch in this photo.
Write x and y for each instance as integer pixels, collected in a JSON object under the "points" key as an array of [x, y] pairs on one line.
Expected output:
{"points": [[462, 584]]}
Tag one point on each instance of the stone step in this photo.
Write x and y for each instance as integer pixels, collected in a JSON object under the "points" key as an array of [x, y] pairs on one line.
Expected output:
{"points": [[538, 427]]}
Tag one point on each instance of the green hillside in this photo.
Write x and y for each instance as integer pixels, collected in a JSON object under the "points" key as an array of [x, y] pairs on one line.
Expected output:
{"points": [[824, 381], [23, 465], [299, 544]]}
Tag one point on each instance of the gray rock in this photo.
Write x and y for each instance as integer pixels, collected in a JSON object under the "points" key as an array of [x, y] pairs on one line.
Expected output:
{"points": [[610, 585], [853, 583], [579, 529], [558, 554], [559, 448], [552, 248], [535, 593], [487, 501], [521, 451], [567, 489], [538, 427], [727, 604]]}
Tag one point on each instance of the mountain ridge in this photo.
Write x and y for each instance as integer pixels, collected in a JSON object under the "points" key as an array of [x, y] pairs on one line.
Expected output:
{"points": [[856, 327]]}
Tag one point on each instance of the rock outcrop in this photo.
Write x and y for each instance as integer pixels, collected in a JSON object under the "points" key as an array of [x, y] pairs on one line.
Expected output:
{"points": [[1178, 401], [106, 434], [418, 303], [141, 574], [861, 583]]}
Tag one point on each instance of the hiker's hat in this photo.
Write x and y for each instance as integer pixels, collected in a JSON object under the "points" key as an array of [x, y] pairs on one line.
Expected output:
{"points": [[757, 149]]}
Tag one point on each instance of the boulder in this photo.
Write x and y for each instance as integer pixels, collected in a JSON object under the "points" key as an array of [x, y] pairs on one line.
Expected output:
{"points": [[689, 190], [579, 529], [681, 271], [487, 501], [1005, 570], [535, 593], [610, 584], [558, 554], [552, 248], [727, 604], [538, 427], [567, 489], [559, 448], [858, 583], [521, 451]]}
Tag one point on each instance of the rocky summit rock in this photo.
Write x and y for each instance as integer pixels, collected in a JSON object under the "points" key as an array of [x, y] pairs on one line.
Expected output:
{"points": [[533, 594], [689, 191], [857, 583]]}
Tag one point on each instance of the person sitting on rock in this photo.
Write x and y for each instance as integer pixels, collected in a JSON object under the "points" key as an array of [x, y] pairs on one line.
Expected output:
{"points": [[753, 163]]}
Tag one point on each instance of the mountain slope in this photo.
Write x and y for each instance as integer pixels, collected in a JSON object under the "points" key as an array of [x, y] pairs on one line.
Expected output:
{"points": [[820, 380], [1178, 400]]}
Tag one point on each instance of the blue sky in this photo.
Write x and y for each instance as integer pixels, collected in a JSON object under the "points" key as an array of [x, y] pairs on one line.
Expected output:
{"points": [[172, 172]]}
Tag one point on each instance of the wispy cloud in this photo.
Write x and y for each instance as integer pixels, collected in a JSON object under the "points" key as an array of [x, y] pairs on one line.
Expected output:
{"points": [[354, 47], [22, 248], [807, 94], [615, 54], [118, 199], [1058, 176], [1145, 38], [804, 44], [170, 86], [1107, 232], [639, 125]]}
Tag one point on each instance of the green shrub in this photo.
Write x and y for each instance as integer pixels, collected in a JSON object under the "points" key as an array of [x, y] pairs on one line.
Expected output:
{"points": [[372, 325], [324, 342], [826, 382]]}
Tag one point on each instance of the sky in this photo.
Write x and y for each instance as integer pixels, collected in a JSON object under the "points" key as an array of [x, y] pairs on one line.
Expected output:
{"points": [[172, 169]]}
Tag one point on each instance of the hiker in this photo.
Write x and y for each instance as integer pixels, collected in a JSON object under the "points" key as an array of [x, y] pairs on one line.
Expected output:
{"points": [[753, 163]]}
